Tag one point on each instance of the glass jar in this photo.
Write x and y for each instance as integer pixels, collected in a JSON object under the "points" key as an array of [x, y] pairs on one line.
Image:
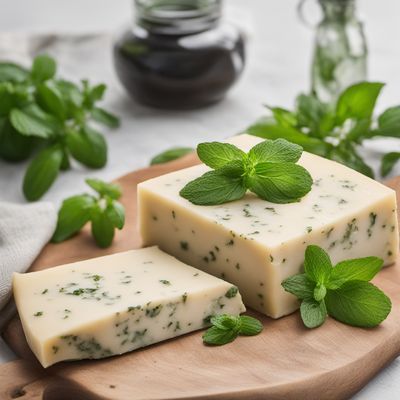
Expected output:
{"points": [[340, 50], [179, 54]]}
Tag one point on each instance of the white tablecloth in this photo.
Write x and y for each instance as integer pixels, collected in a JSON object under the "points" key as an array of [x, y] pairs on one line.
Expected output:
{"points": [[278, 68]]}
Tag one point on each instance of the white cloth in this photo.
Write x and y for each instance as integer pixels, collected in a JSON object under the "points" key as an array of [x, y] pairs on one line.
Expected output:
{"points": [[24, 230]]}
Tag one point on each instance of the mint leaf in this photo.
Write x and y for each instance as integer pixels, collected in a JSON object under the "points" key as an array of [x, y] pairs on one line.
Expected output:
{"points": [[283, 117], [213, 188], [170, 155], [29, 125], [388, 162], [358, 303], [43, 68], [313, 313], [319, 292], [360, 269], [216, 154], [105, 117], [300, 286], [217, 337], [88, 147], [42, 172], [317, 264], [102, 227], [10, 72], [275, 151], [105, 189], [358, 101], [249, 326], [280, 182], [72, 216], [226, 322], [116, 213]]}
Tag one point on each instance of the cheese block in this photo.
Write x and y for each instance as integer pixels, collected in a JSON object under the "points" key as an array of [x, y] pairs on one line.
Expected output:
{"points": [[256, 244], [114, 304]]}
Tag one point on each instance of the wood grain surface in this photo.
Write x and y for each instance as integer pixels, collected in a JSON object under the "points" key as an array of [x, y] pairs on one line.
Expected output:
{"points": [[286, 361]]}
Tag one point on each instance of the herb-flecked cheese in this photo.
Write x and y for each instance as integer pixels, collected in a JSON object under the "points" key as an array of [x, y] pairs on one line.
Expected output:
{"points": [[114, 304], [256, 244]]}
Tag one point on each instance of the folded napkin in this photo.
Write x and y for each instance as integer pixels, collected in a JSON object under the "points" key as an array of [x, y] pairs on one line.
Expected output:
{"points": [[24, 230]]}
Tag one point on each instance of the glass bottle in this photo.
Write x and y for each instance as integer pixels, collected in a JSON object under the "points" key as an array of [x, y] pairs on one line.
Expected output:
{"points": [[179, 54], [340, 50]]}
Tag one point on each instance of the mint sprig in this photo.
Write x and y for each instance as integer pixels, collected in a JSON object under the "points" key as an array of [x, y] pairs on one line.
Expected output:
{"points": [[342, 292], [335, 131], [103, 211], [226, 328], [170, 155], [269, 170], [38, 110]]}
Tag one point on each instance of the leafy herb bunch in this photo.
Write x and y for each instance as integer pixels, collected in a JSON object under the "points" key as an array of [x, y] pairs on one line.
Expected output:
{"points": [[335, 131], [40, 111]]}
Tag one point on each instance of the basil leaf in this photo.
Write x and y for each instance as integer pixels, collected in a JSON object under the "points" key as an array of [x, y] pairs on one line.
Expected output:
{"points": [[170, 155], [313, 313], [92, 94], [317, 264], [218, 337], [12, 72], [300, 286], [72, 216], [88, 147], [389, 123], [116, 213], [249, 326], [275, 151], [310, 113], [358, 303], [43, 68], [213, 188], [50, 99], [13, 145], [42, 172], [105, 189], [216, 154], [102, 228], [360, 269], [388, 162], [358, 101], [105, 117], [72, 98], [29, 125], [280, 182]]}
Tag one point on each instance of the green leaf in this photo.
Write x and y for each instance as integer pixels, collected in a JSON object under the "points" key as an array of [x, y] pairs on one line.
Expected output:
{"points": [[14, 146], [102, 228], [116, 213], [51, 100], [249, 326], [12, 72], [319, 292], [358, 303], [105, 189], [317, 264], [313, 313], [358, 101], [72, 98], [265, 129], [29, 125], [42, 172], [357, 269], [388, 162], [216, 154], [11, 97], [72, 216], [217, 337], [88, 147], [275, 151], [300, 286], [44, 67], [170, 155], [213, 188], [92, 94], [389, 123], [310, 113], [280, 182], [283, 117], [226, 322], [105, 117]]}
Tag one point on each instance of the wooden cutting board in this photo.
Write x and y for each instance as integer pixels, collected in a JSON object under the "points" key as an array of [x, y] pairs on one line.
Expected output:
{"points": [[286, 361]]}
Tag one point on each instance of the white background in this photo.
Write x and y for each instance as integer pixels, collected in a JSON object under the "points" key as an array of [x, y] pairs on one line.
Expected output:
{"points": [[280, 49]]}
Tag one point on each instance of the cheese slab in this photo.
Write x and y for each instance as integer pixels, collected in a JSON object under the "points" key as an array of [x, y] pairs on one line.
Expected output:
{"points": [[255, 244], [114, 304]]}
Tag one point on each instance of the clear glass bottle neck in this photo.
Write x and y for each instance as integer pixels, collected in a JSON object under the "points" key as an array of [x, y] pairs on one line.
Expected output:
{"points": [[177, 17], [338, 10]]}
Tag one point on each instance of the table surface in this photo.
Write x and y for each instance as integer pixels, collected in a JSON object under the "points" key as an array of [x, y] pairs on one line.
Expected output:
{"points": [[279, 55]]}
